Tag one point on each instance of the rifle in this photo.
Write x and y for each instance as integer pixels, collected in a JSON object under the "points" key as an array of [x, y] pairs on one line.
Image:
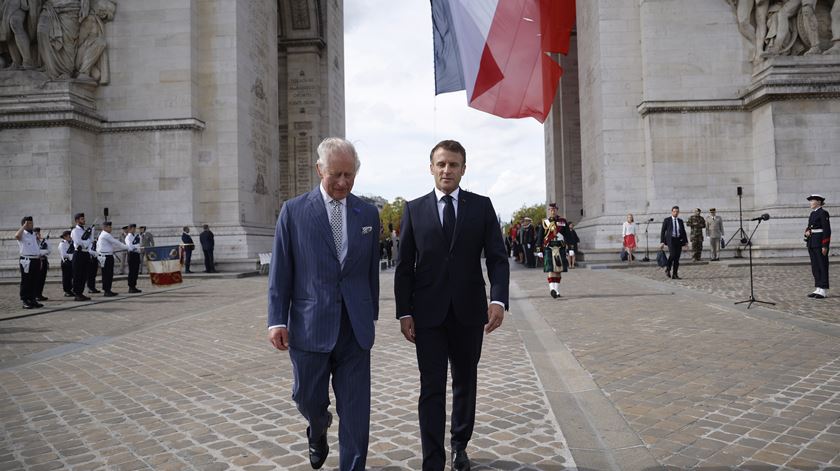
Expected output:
{"points": [[89, 231]]}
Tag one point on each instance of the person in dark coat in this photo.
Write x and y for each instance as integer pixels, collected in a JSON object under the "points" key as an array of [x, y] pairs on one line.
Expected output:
{"points": [[188, 245], [818, 236], [207, 245]]}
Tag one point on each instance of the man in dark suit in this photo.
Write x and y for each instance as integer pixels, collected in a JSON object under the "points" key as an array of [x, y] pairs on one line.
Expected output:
{"points": [[207, 245], [441, 300], [323, 299], [673, 235]]}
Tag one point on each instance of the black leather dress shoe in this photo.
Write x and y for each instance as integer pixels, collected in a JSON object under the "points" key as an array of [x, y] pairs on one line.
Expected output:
{"points": [[134, 290], [42, 298], [319, 449], [28, 306], [676, 277], [68, 294], [460, 461], [94, 291], [668, 273], [819, 296], [81, 298], [110, 294], [812, 295]]}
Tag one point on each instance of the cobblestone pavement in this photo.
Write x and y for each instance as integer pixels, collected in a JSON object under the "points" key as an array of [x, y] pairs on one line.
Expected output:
{"points": [[187, 380], [704, 383], [787, 286]]}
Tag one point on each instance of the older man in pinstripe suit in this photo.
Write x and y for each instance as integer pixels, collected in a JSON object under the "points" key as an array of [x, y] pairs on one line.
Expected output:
{"points": [[323, 300]]}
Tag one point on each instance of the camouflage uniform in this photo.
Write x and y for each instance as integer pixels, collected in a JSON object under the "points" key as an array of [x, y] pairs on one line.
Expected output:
{"points": [[697, 224]]}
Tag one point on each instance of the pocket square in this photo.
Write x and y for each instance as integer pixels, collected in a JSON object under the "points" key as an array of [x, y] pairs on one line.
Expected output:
{"points": [[367, 229]]}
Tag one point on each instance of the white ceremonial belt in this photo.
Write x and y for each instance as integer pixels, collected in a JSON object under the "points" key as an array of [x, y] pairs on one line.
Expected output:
{"points": [[106, 254], [816, 231]]}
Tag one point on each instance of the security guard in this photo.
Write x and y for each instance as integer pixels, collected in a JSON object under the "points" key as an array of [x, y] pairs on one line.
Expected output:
{"points": [[132, 242], [83, 243], [65, 250], [30, 263], [818, 237], [107, 245]]}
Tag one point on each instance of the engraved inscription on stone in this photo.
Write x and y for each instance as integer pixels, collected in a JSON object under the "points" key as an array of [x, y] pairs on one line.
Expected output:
{"points": [[300, 14]]}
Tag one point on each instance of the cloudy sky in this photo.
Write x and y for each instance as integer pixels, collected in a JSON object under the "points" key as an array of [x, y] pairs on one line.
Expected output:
{"points": [[394, 118]]}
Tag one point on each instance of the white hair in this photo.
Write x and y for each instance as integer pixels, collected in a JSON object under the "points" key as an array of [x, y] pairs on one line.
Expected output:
{"points": [[332, 145]]}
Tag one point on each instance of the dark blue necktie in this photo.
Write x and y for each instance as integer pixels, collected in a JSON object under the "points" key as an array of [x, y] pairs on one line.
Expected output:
{"points": [[448, 219]]}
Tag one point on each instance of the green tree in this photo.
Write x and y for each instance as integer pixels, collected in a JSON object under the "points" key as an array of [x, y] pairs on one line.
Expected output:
{"points": [[536, 212], [392, 214]]}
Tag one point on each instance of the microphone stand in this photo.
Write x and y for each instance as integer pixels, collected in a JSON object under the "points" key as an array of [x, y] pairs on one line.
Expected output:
{"points": [[647, 243], [752, 299], [741, 231]]}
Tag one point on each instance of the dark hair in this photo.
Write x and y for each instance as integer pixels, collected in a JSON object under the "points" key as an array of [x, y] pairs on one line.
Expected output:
{"points": [[206, 227], [675, 207], [78, 215], [132, 226], [451, 146], [25, 218], [108, 223], [186, 228], [65, 234], [143, 228]]}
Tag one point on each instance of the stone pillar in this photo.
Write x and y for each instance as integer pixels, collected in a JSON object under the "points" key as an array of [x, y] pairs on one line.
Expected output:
{"points": [[563, 183]]}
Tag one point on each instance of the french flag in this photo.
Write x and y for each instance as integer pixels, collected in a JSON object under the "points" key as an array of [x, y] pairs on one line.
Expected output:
{"points": [[497, 50]]}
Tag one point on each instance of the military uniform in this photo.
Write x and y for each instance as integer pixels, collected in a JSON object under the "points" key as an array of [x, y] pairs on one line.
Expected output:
{"points": [[83, 244], [818, 237], [29, 264], [714, 230], [697, 224], [555, 232]]}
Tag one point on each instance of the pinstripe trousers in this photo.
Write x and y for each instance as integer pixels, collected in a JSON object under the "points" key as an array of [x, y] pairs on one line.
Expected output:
{"points": [[349, 366]]}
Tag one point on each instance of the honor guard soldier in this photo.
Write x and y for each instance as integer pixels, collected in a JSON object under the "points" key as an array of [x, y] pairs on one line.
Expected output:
{"points": [[818, 237], [187, 245], [555, 230], [65, 251], [83, 243], [697, 224], [29, 262], [132, 242], [107, 245], [44, 249]]}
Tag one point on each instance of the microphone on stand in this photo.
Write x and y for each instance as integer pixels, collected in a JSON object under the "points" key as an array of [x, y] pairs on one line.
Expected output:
{"points": [[650, 220], [763, 217]]}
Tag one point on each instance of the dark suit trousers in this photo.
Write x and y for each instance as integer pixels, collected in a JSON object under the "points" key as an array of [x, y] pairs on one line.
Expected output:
{"points": [[209, 264], [93, 269], [133, 268], [29, 281], [81, 260], [674, 252], [42, 277], [187, 259], [349, 366], [819, 267], [108, 273], [67, 276], [458, 345]]}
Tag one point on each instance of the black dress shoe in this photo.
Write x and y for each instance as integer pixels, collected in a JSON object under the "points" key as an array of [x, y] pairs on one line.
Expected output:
{"points": [[134, 290], [812, 295], [554, 294], [819, 296], [68, 294], [319, 449], [28, 306], [460, 461], [668, 273], [676, 277], [94, 291], [42, 298], [110, 294], [81, 298]]}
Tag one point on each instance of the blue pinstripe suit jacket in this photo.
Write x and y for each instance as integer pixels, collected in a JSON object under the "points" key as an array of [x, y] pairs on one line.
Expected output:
{"points": [[307, 284]]}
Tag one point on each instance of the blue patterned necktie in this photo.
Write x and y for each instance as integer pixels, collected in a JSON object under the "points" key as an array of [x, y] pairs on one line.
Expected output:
{"points": [[335, 223]]}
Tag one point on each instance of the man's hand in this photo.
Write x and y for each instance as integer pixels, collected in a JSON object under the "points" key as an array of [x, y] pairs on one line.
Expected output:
{"points": [[495, 316], [662, 246], [279, 337], [407, 328], [824, 251]]}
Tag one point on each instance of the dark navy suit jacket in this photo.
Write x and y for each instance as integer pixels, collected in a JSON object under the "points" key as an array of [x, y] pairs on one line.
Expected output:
{"points": [[430, 275], [307, 283], [667, 232]]}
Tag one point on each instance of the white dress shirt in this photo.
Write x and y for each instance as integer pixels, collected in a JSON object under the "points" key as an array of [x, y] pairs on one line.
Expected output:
{"points": [[76, 235], [628, 228], [28, 245], [63, 247], [129, 243], [108, 244], [342, 253]]}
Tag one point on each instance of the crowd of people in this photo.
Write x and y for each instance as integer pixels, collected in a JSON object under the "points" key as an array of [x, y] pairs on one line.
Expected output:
{"points": [[82, 253]]}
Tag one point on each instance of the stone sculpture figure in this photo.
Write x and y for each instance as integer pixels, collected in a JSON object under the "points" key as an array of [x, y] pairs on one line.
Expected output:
{"points": [[757, 32], [18, 20], [58, 35], [92, 54], [835, 29]]}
